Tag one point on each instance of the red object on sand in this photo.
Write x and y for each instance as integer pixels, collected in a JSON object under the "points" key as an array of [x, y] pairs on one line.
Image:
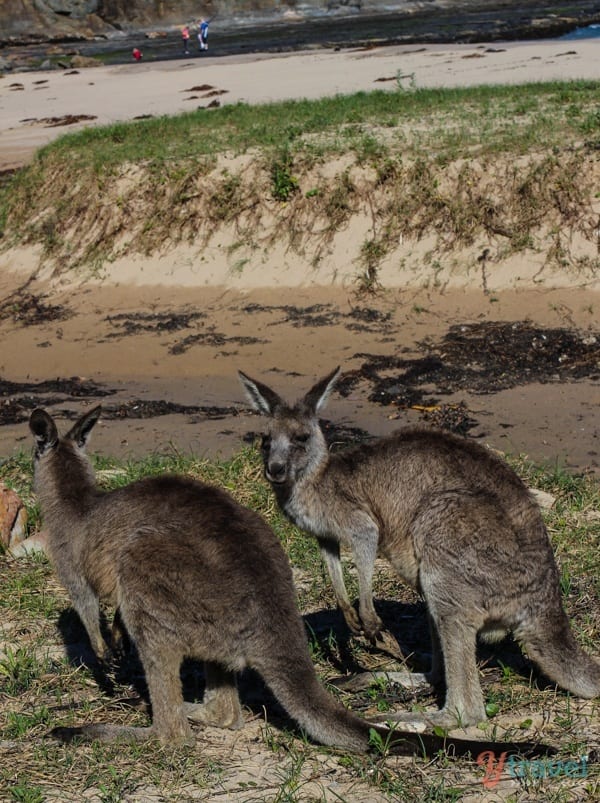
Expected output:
{"points": [[137, 54]]}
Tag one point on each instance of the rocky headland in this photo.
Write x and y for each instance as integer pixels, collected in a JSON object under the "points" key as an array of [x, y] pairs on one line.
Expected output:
{"points": [[27, 22]]}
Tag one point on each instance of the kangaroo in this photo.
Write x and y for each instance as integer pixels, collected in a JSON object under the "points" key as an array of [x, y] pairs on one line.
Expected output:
{"points": [[455, 522], [193, 574]]}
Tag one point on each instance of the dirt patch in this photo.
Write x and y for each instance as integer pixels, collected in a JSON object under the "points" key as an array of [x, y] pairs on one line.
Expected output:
{"points": [[134, 322], [358, 319], [19, 399], [521, 373], [480, 358], [149, 409], [211, 339]]}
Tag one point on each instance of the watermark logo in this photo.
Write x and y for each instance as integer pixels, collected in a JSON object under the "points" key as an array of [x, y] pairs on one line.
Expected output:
{"points": [[516, 767]]}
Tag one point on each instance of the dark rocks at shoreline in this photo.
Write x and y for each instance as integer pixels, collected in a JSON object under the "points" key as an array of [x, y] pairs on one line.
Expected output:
{"points": [[271, 31]]}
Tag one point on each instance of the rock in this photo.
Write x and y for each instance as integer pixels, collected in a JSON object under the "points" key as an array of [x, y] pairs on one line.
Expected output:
{"points": [[13, 517], [543, 498], [73, 8], [85, 61]]}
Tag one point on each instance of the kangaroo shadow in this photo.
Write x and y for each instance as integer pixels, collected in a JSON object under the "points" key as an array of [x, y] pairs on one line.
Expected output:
{"points": [[124, 666], [331, 640]]}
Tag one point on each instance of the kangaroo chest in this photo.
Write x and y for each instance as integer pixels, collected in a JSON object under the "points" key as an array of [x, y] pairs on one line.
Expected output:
{"points": [[308, 517], [329, 518]]}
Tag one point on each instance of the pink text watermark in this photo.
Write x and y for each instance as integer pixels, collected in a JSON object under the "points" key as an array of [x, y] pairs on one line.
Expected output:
{"points": [[516, 767]]}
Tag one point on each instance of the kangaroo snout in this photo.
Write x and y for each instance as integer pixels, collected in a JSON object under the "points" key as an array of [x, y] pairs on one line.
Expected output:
{"points": [[276, 472]]}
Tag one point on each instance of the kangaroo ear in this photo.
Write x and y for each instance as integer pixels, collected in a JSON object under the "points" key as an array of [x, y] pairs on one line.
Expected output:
{"points": [[262, 399], [80, 433], [43, 430], [317, 396]]}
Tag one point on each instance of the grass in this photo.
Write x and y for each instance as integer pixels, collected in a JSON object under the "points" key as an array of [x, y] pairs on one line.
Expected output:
{"points": [[511, 166], [41, 687]]}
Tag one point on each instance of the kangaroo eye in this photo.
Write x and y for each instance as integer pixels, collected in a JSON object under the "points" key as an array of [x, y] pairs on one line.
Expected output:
{"points": [[265, 441], [301, 439]]}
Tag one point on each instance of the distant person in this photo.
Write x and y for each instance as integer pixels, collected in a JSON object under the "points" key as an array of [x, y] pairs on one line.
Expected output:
{"points": [[136, 53], [203, 34], [185, 35]]}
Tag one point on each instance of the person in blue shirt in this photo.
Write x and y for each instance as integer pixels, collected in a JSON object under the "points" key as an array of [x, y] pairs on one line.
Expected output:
{"points": [[203, 34]]}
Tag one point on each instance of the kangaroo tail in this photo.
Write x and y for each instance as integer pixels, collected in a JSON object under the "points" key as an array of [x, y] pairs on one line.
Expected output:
{"points": [[297, 688], [293, 681], [550, 643], [102, 732]]}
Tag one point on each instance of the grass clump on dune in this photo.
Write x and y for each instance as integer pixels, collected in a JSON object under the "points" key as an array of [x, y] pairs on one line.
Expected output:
{"points": [[511, 167]]}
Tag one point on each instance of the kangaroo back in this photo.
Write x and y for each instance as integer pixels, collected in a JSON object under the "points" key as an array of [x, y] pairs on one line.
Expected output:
{"points": [[65, 485]]}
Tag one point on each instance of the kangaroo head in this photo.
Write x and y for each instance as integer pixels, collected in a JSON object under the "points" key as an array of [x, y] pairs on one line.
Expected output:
{"points": [[50, 448], [293, 444], [46, 436]]}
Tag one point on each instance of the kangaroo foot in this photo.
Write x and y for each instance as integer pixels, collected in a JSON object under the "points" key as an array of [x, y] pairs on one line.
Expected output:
{"points": [[352, 620], [214, 713], [434, 719], [410, 680]]}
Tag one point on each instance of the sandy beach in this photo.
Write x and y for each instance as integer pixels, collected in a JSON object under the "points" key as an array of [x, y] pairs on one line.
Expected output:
{"points": [[248, 316], [112, 94]]}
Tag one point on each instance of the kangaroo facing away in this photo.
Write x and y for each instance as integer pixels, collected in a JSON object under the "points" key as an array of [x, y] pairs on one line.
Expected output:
{"points": [[454, 521], [195, 575]]}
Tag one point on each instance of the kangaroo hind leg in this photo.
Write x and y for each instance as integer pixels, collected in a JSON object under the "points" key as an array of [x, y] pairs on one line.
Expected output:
{"points": [[457, 634], [444, 532], [169, 724]]}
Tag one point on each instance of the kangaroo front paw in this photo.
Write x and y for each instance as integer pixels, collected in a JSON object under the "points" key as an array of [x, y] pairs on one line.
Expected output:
{"points": [[372, 627], [352, 619]]}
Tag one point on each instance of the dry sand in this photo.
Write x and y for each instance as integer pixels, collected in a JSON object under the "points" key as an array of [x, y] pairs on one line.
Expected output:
{"points": [[550, 421], [128, 91]]}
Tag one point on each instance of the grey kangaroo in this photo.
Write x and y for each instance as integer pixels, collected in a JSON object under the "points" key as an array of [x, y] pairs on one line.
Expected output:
{"points": [[454, 521], [193, 574]]}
